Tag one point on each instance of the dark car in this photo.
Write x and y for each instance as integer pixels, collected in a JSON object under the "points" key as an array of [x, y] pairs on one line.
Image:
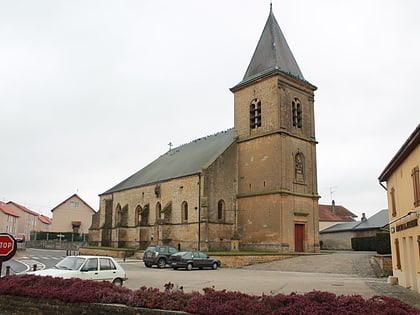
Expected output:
{"points": [[193, 259], [158, 255]]}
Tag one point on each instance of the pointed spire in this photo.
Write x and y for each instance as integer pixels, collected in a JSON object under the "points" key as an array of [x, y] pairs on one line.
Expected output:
{"points": [[272, 53]]}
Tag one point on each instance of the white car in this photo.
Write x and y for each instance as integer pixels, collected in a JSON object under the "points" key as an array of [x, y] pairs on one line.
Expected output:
{"points": [[86, 267]]}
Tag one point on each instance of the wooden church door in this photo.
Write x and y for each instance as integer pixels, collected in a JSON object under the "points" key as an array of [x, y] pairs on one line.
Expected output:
{"points": [[299, 237]]}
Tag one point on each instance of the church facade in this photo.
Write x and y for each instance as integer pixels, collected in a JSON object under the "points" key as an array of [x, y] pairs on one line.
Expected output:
{"points": [[252, 187]]}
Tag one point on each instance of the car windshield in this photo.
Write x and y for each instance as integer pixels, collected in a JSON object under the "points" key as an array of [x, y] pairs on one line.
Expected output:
{"points": [[151, 248], [70, 263]]}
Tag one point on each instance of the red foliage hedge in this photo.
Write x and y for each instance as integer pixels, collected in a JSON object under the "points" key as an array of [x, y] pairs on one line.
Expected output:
{"points": [[209, 302]]}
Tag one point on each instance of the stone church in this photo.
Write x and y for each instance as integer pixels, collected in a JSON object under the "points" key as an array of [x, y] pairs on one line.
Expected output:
{"points": [[252, 187]]}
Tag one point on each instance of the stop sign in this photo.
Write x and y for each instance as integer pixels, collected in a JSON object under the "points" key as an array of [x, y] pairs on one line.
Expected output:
{"points": [[7, 246]]}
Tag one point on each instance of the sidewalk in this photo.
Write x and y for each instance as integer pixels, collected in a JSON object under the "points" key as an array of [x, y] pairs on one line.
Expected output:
{"points": [[346, 262]]}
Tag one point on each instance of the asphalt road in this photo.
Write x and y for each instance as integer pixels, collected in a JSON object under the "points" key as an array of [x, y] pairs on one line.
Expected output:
{"points": [[343, 273], [331, 272]]}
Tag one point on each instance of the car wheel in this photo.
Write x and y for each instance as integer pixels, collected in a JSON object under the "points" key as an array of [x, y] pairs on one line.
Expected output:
{"points": [[189, 266], [118, 282], [148, 265], [214, 266], [175, 268], [161, 263]]}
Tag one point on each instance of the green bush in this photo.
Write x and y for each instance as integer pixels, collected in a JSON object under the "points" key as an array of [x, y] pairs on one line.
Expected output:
{"points": [[383, 243], [380, 243]]}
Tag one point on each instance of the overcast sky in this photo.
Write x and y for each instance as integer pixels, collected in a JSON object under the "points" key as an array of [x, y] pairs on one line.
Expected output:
{"points": [[93, 91]]}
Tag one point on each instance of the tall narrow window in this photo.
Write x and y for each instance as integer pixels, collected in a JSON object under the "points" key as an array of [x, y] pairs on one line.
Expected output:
{"points": [[220, 210], [297, 113], [393, 204], [158, 211], [416, 186], [418, 242], [184, 212], [397, 251], [255, 114], [124, 216], [137, 216], [118, 215]]}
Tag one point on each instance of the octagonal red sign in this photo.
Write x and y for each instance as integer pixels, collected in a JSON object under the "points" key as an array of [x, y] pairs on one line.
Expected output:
{"points": [[7, 246]]}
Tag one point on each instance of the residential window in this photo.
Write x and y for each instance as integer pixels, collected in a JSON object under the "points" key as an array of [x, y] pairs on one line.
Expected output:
{"points": [[184, 211], [74, 204], [297, 113], [416, 186], [255, 114], [393, 204], [220, 210]]}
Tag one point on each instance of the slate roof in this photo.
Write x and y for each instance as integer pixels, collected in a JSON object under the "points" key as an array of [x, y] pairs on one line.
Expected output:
{"points": [[185, 160], [7, 210], [271, 54], [341, 214], [377, 221]]}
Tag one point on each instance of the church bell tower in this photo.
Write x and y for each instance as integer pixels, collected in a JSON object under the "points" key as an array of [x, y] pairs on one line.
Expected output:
{"points": [[277, 199]]}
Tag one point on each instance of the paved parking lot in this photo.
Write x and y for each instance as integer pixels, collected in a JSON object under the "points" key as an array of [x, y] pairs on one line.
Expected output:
{"points": [[342, 273]]}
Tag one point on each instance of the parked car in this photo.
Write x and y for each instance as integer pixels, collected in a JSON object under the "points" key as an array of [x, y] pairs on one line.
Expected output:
{"points": [[193, 259], [20, 238], [158, 255], [86, 267]]}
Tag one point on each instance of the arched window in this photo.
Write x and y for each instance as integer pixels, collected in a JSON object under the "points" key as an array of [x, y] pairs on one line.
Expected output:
{"points": [[297, 113], [184, 211], [137, 215], [220, 210], [299, 166], [255, 114], [142, 215]]}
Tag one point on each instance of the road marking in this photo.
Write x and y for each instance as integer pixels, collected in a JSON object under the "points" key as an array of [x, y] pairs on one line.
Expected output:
{"points": [[29, 264]]}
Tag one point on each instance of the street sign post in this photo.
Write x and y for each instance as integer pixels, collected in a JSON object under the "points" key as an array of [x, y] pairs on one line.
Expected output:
{"points": [[8, 248]]}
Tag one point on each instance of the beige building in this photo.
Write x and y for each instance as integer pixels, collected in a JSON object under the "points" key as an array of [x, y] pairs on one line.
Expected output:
{"points": [[28, 219], [403, 191], [8, 219], [72, 215], [252, 187]]}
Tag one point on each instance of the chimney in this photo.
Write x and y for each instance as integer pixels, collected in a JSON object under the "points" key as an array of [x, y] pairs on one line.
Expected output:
{"points": [[333, 207], [363, 217]]}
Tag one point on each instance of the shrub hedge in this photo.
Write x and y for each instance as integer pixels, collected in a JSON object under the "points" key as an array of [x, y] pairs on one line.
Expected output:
{"points": [[209, 302]]}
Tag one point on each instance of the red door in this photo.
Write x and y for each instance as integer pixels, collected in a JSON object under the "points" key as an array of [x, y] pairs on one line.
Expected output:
{"points": [[299, 237]]}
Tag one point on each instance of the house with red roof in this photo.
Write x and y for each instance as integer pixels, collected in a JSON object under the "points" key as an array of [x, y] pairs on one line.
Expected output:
{"points": [[29, 220], [8, 219], [332, 214]]}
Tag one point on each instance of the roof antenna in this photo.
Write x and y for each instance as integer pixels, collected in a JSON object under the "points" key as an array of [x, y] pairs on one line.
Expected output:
{"points": [[271, 5], [170, 145]]}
